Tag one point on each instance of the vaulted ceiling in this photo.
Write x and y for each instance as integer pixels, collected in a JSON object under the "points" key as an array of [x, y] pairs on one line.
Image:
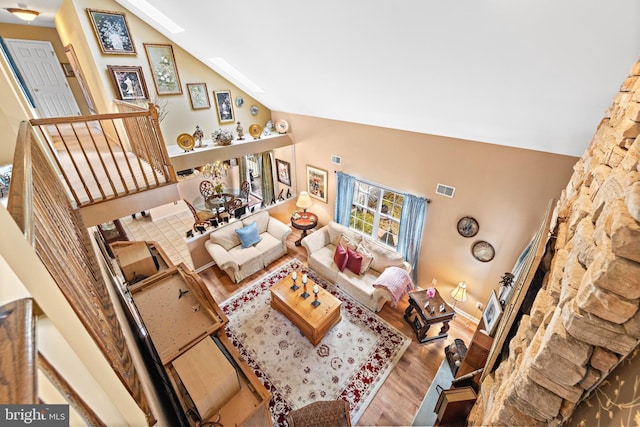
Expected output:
{"points": [[536, 74]]}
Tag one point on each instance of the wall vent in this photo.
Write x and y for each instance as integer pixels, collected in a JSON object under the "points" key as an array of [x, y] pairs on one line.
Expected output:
{"points": [[336, 160], [445, 190]]}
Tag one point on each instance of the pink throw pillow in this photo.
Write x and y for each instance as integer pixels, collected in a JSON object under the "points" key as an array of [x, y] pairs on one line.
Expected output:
{"points": [[340, 257], [354, 261]]}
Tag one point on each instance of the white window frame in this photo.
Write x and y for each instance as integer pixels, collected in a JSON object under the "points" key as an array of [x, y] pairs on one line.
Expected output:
{"points": [[377, 213]]}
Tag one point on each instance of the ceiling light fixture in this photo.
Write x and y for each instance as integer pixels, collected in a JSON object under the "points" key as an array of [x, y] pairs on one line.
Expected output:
{"points": [[153, 13], [24, 14], [236, 75]]}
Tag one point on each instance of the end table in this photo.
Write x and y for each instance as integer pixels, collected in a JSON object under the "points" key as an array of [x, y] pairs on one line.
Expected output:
{"points": [[304, 221], [424, 318]]}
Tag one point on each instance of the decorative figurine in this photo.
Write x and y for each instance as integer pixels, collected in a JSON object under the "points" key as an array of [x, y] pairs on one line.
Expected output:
{"points": [[267, 128], [198, 135], [240, 131]]}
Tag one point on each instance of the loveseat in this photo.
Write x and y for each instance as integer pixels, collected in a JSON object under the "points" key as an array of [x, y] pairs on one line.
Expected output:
{"points": [[246, 246], [321, 248]]}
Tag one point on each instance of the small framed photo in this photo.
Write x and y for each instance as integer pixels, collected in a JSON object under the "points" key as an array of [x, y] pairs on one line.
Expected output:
{"points": [[491, 314], [317, 183], [284, 172], [112, 32], [163, 68], [224, 106], [198, 95], [128, 82], [67, 69]]}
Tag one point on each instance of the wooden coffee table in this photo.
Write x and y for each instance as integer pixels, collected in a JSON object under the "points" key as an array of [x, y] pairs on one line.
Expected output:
{"points": [[313, 322]]}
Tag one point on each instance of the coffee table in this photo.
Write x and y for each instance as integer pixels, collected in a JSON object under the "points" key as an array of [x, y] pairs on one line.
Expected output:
{"points": [[313, 322]]}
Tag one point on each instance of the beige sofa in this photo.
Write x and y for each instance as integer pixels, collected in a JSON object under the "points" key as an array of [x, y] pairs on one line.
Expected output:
{"points": [[224, 245], [321, 247]]}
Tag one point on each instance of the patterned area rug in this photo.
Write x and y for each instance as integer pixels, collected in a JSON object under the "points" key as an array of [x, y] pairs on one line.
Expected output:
{"points": [[351, 362]]}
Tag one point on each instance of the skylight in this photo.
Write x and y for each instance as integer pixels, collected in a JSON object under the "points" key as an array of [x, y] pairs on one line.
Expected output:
{"points": [[157, 16], [233, 74]]}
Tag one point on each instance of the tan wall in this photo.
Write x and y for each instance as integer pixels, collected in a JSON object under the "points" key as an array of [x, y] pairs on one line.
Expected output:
{"points": [[74, 26], [30, 32], [505, 189]]}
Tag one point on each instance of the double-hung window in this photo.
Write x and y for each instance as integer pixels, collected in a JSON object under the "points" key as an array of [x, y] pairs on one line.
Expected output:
{"points": [[376, 212]]}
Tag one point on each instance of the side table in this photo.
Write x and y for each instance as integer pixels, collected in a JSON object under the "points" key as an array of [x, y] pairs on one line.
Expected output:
{"points": [[424, 318], [304, 221]]}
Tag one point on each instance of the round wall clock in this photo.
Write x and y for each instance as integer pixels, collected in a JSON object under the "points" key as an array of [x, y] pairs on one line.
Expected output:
{"points": [[468, 226], [483, 251]]}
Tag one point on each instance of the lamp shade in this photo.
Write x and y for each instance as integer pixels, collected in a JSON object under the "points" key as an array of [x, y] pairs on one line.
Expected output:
{"points": [[459, 293], [24, 14], [304, 200]]}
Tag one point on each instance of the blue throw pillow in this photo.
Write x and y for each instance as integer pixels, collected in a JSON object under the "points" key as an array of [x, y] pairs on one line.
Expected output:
{"points": [[249, 235]]}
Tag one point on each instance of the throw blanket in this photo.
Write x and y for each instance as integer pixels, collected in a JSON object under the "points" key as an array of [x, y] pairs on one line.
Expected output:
{"points": [[397, 281]]}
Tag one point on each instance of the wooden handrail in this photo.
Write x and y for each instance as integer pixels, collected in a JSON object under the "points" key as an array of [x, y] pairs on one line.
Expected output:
{"points": [[106, 156]]}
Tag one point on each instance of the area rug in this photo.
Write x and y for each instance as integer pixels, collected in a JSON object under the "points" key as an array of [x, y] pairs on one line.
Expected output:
{"points": [[351, 362], [425, 415]]}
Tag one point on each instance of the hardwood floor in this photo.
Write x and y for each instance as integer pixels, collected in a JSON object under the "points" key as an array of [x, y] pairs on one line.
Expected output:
{"points": [[397, 401]]}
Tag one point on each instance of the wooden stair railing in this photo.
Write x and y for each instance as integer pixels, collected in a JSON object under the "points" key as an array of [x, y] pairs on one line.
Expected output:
{"points": [[55, 230], [105, 156]]}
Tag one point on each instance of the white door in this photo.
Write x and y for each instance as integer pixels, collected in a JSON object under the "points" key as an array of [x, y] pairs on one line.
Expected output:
{"points": [[42, 74]]}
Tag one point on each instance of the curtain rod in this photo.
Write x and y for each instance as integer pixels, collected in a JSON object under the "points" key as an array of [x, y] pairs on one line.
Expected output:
{"points": [[384, 187]]}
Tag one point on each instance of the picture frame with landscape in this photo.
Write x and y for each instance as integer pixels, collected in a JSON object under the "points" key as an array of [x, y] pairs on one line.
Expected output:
{"points": [[163, 68], [198, 96], [284, 172], [317, 183], [112, 31], [492, 313], [128, 82], [224, 106]]}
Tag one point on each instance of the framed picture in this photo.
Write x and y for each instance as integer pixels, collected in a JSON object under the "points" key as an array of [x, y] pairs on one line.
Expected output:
{"points": [[77, 71], [198, 96], [491, 314], [67, 69], [284, 172], [224, 106], [163, 68], [128, 82], [112, 32], [317, 183]]}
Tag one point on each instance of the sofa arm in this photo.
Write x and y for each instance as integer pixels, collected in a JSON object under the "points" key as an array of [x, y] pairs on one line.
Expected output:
{"points": [[316, 240], [278, 229], [406, 267], [220, 256]]}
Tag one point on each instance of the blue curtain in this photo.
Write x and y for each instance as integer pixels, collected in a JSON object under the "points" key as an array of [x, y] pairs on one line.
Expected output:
{"points": [[414, 211], [344, 198]]}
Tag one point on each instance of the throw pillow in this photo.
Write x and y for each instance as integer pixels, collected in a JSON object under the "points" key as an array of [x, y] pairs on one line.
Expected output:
{"points": [[340, 257], [367, 258], [347, 242], [354, 261], [249, 235]]}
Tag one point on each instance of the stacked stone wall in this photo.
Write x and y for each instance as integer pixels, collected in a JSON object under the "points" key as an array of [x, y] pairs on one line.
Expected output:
{"points": [[585, 319]]}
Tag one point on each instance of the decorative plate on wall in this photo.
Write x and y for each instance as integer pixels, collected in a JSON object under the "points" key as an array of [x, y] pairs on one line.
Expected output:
{"points": [[186, 141], [468, 226], [255, 130], [282, 126], [483, 251], [254, 110]]}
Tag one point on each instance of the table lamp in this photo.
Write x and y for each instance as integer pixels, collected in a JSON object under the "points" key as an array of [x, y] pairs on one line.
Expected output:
{"points": [[459, 294], [304, 201]]}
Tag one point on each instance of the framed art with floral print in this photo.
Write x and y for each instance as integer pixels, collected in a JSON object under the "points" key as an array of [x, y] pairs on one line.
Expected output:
{"points": [[317, 183], [284, 172], [198, 96], [163, 68], [128, 82], [112, 32]]}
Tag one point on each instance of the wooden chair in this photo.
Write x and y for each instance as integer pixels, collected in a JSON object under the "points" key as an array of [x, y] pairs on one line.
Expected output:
{"points": [[201, 218], [230, 207], [323, 413], [206, 189]]}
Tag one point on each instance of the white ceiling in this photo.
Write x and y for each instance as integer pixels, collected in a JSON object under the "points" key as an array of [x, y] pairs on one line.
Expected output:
{"points": [[535, 74]]}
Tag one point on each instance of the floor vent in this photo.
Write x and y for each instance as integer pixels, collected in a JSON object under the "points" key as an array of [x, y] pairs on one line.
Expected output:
{"points": [[445, 190]]}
